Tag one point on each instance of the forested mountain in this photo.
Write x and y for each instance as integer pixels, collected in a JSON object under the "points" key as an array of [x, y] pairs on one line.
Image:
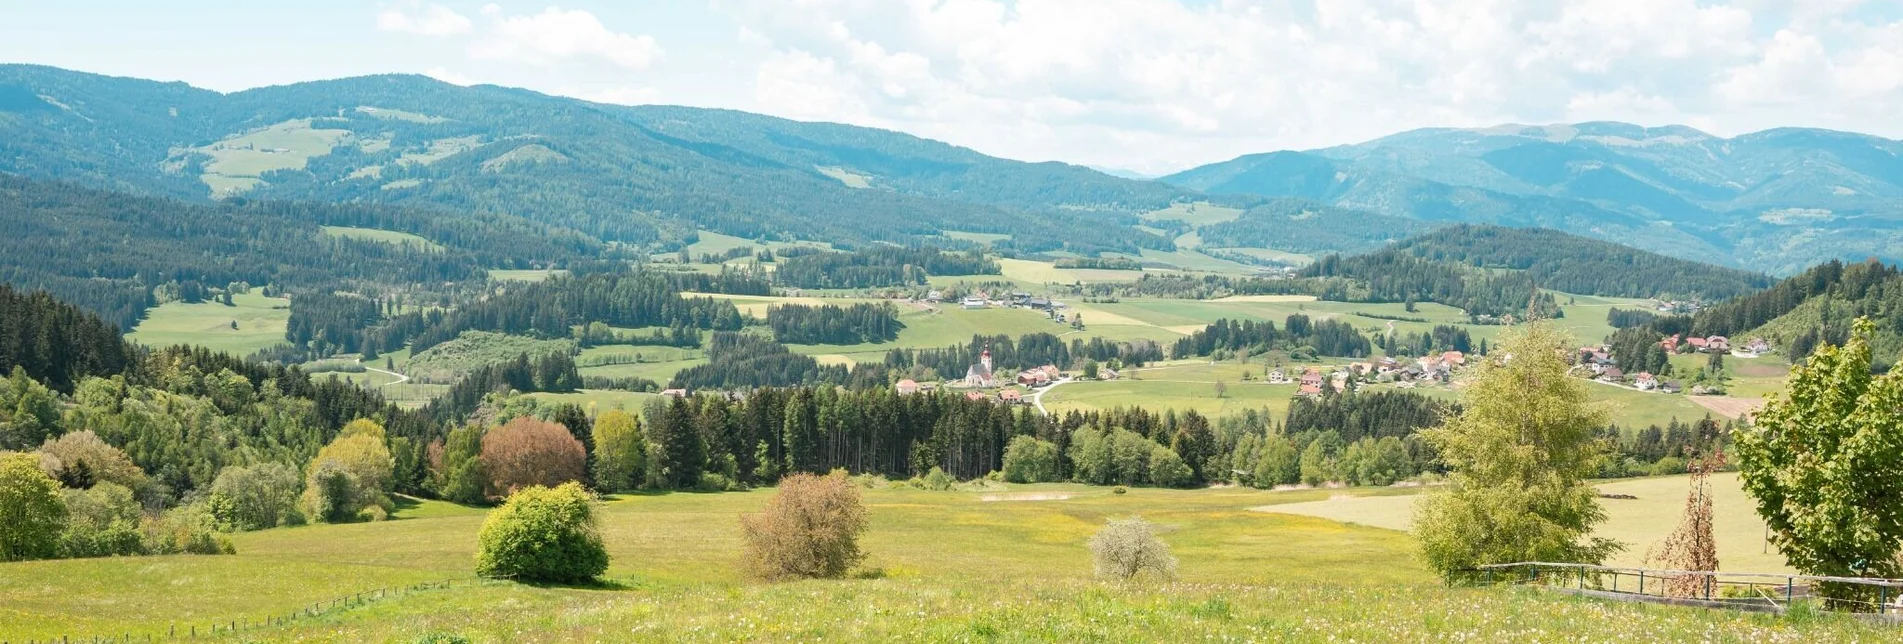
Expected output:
{"points": [[1576, 264], [1801, 313], [1779, 200], [1305, 226], [107, 251], [630, 174]]}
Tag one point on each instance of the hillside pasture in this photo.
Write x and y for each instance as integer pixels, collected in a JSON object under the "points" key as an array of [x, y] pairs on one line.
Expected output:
{"points": [[261, 320], [943, 566], [1197, 213], [1641, 523], [524, 275], [390, 237]]}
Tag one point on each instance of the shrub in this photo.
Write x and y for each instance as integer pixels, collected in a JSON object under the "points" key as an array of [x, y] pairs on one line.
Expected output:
{"points": [[254, 498], [938, 481], [85, 451], [1168, 470], [31, 511], [1029, 460], [360, 451], [543, 534], [102, 521], [1127, 549], [810, 528], [529, 452], [188, 530], [463, 478], [619, 451], [334, 493]]}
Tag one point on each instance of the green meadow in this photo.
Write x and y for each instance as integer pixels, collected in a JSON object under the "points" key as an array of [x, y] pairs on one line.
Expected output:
{"points": [[993, 564], [261, 322]]}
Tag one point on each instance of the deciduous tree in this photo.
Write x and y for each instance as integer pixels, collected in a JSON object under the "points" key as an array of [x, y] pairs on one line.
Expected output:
{"points": [[527, 452], [1825, 463], [1519, 453]]}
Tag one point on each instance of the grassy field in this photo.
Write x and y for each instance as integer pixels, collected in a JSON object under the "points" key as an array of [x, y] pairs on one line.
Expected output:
{"points": [[1641, 523], [524, 275], [1196, 214], [716, 243], [390, 237], [1181, 387], [239, 160], [1037, 273], [944, 566], [598, 399], [261, 323]]}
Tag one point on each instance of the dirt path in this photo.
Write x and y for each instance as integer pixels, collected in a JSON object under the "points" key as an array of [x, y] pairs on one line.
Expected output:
{"points": [[400, 378]]}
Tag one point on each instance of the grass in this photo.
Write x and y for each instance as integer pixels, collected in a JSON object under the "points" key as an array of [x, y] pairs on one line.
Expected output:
{"points": [[390, 237], [598, 399], [237, 161], [1032, 272], [1295, 259], [846, 176], [1199, 213], [1180, 387], [944, 566], [261, 323], [448, 362], [524, 275], [982, 238], [715, 243], [1640, 523]]}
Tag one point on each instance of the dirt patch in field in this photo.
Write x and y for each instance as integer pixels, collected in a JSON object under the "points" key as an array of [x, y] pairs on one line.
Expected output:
{"points": [[1759, 369], [1266, 298], [1027, 496], [1729, 406]]}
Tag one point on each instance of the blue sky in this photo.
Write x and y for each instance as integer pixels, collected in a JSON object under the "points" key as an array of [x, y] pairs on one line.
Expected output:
{"points": [[1148, 85]]}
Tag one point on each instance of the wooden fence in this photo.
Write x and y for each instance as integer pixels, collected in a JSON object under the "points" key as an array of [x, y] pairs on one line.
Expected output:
{"points": [[224, 628]]}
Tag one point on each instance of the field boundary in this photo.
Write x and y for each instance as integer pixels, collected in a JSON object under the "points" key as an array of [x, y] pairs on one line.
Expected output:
{"points": [[216, 628]]}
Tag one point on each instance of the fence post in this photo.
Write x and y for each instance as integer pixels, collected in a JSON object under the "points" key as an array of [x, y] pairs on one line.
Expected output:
{"points": [[1641, 582], [1708, 580]]}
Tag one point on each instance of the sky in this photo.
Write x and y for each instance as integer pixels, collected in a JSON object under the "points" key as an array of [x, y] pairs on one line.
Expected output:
{"points": [[1151, 86]]}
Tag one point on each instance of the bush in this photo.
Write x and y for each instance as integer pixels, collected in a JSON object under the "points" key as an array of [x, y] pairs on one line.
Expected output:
{"points": [[810, 528], [1128, 549], [463, 478], [529, 452], [543, 534], [334, 494], [188, 530], [359, 452], [938, 481], [1029, 460], [31, 511], [102, 521], [83, 451], [1168, 470], [254, 498]]}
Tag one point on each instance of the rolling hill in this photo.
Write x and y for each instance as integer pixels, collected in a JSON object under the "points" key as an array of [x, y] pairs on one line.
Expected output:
{"points": [[644, 175], [1778, 200]]}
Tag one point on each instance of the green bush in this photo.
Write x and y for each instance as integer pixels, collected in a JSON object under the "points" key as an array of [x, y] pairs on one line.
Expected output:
{"points": [[1029, 460], [1168, 470], [254, 498], [336, 494], [543, 535], [31, 511], [102, 521], [938, 481]]}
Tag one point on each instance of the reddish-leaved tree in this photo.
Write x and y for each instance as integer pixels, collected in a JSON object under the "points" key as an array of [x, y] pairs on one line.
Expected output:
{"points": [[527, 451]]}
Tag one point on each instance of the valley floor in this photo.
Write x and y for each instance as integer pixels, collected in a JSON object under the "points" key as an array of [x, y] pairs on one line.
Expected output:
{"points": [[976, 565]]}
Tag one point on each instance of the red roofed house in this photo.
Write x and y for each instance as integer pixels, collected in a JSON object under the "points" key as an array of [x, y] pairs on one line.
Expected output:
{"points": [[1312, 378], [1644, 381], [1453, 358], [1718, 344], [1697, 343], [1309, 390], [1670, 345], [974, 396], [906, 387], [1011, 396]]}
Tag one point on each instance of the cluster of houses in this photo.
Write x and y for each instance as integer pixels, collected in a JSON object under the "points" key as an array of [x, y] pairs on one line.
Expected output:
{"points": [[1675, 344], [982, 376], [1405, 373], [1598, 361], [983, 300]]}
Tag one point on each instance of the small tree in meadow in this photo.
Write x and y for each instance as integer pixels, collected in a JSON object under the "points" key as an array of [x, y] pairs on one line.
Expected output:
{"points": [[1692, 546], [1518, 456], [543, 535], [527, 451], [1128, 550], [810, 529]]}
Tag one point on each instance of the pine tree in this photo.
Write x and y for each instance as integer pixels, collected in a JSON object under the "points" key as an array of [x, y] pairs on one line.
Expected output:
{"points": [[681, 454]]}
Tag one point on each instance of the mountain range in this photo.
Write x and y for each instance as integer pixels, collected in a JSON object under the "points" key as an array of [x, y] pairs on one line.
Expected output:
{"points": [[653, 176], [1778, 200]]}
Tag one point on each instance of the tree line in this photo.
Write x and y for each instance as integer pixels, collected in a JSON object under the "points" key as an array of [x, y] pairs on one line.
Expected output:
{"points": [[1298, 332], [879, 266], [859, 323]]}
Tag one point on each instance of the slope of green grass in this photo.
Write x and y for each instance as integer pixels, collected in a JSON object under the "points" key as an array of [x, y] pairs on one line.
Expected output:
{"points": [[261, 322], [390, 237]]}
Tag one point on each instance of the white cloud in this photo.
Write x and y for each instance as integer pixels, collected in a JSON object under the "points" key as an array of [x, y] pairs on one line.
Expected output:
{"points": [[1156, 85], [617, 95], [423, 20], [450, 77], [557, 35]]}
